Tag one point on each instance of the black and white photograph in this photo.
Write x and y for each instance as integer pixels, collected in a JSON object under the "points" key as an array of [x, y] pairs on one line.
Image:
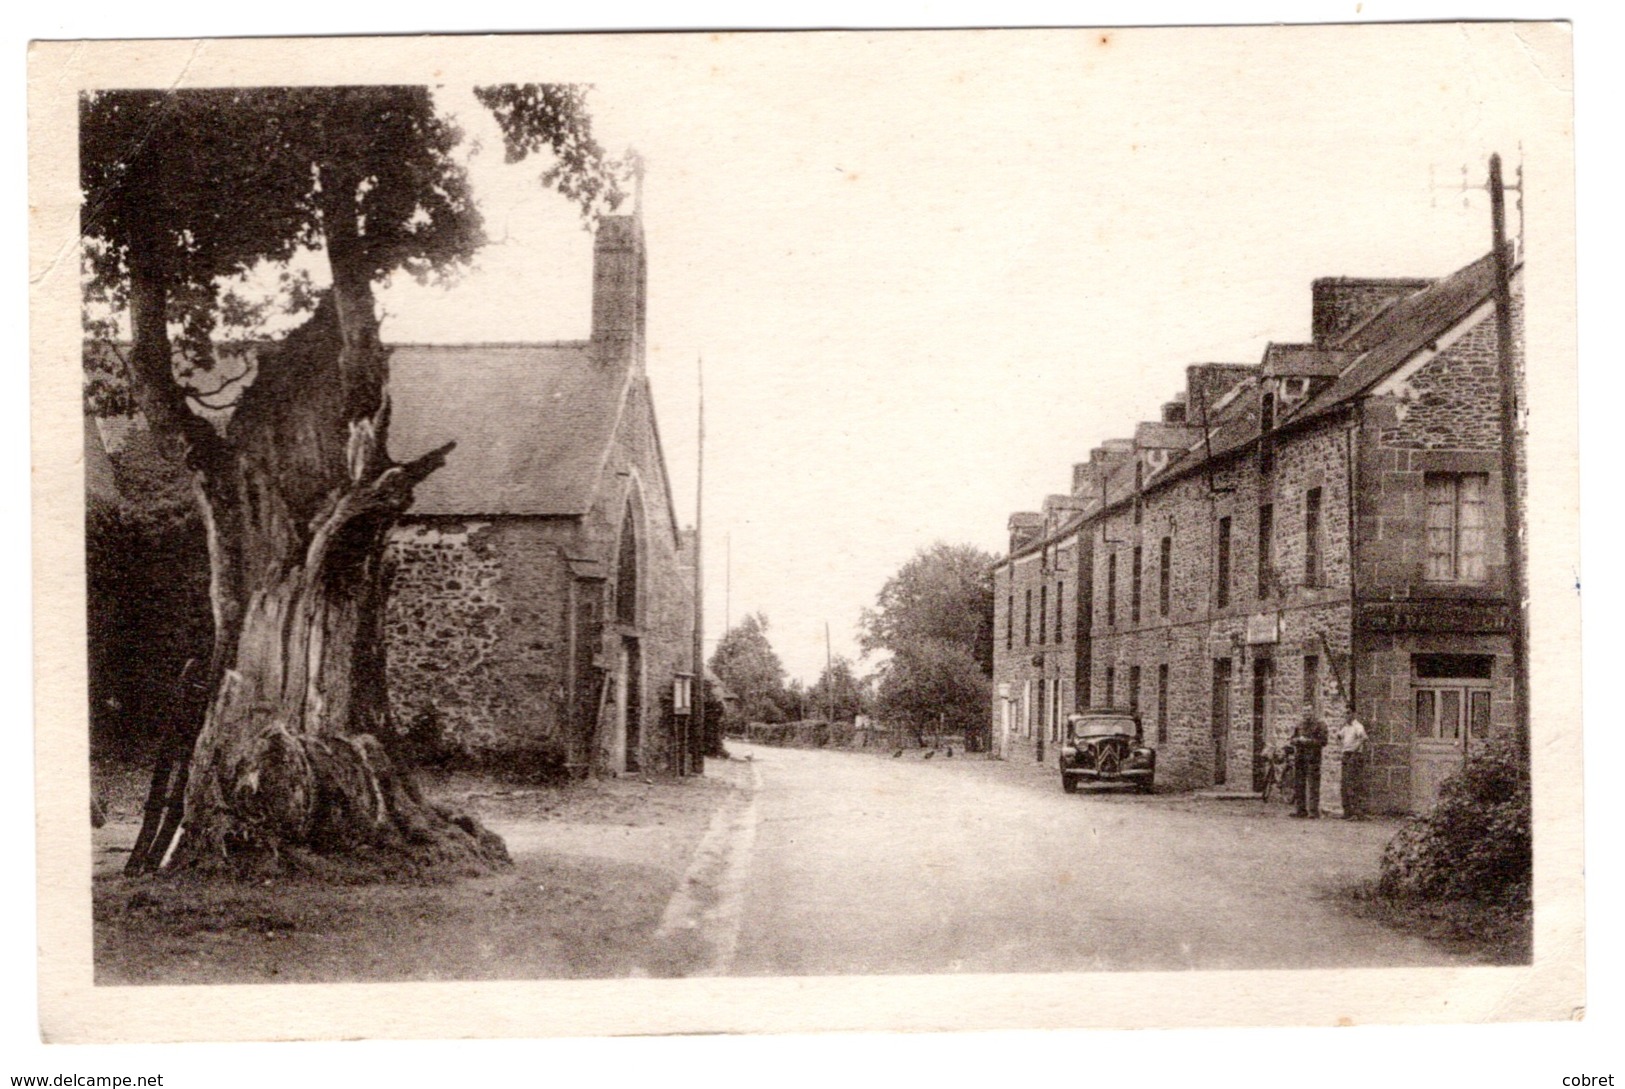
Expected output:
{"points": [[857, 531]]}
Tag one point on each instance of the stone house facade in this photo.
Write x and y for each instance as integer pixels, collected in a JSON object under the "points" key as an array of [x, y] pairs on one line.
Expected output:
{"points": [[541, 600], [1316, 531]]}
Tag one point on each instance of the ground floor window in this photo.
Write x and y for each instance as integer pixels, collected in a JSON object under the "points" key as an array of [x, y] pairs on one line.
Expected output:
{"points": [[1452, 696]]}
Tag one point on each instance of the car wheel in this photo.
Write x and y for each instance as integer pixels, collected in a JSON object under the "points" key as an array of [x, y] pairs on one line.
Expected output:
{"points": [[1069, 783]]}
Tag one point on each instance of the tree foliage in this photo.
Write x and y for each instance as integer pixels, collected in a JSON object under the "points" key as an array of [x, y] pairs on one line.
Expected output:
{"points": [[935, 618], [746, 662], [943, 594], [837, 685]]}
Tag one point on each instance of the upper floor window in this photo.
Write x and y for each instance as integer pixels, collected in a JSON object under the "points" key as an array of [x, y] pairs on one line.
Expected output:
{"points": [[1043, 612], [1223, 562], [1060, 612], [1111, 589], [1134, 590], [1027, 622], [1165, 572], [1455, 526], [1311, 537], [1010, 622], [1266, 538]]}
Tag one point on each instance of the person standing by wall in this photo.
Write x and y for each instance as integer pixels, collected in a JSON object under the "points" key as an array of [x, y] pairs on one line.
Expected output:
{"points": [[1353, 739], [1307, 744]]}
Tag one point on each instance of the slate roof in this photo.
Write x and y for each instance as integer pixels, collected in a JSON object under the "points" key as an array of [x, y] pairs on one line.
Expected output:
{"points": [[1371, 351], [533, 424], [1403, 328]]}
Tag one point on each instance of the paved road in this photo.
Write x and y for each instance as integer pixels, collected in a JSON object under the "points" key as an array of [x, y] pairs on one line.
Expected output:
{"points": [[849, 863]]}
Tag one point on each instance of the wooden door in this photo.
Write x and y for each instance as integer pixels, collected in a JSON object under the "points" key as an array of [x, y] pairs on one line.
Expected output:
{"points": [[1263, 690], [1221, 720], [1448, 716]]}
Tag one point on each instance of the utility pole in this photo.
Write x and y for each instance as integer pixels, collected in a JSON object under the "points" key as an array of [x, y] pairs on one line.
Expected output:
{"points": [[689, 759], [829, 679], [1511, 493]]}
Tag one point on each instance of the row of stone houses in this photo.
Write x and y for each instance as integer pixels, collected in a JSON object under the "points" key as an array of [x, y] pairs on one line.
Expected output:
{"points": [[1316, 531]]}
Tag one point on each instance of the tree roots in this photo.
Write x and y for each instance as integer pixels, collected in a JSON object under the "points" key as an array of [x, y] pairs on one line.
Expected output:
{"points": [[331, 808]]}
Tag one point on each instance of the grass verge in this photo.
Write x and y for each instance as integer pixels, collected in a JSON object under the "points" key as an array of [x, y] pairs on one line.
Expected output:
{"points": [[1494, 933]]}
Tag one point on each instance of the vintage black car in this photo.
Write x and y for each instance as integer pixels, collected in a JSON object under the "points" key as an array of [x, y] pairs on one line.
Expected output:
{"points": [[1106, 746]]}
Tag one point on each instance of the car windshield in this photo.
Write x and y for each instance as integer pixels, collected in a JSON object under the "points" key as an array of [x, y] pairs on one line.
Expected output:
{"points": [[1102, 726]]}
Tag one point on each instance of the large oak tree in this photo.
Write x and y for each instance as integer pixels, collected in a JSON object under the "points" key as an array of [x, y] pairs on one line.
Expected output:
{"points": [[286, 753]]}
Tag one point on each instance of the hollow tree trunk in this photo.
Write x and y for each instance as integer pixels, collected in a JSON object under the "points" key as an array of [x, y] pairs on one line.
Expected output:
{"points": [[292, 761]]}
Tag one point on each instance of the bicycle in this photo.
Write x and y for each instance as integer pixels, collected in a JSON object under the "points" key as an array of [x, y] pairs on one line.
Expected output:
{"points": [[1280, 770]]}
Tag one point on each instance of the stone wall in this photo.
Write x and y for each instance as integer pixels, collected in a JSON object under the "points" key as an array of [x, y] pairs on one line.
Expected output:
{"points": [[479, 624], [476, 628]]}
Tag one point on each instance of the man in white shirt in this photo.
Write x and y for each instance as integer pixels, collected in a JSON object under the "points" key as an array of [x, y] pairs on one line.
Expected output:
{"points": [[1353, 738]]}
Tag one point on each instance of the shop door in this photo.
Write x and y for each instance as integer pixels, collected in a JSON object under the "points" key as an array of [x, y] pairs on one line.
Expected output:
{"points": [[1449, 717]]}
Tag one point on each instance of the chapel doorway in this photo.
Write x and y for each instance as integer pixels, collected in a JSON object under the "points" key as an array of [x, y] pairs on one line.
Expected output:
{"points": [[627, 747]]}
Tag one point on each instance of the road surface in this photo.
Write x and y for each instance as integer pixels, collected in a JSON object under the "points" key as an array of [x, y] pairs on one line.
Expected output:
{"points": [[843, 862]]}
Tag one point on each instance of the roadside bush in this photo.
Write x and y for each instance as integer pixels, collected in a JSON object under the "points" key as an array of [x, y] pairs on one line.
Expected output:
{"points": [[545, 761], [1476, 843], [147, 613]]}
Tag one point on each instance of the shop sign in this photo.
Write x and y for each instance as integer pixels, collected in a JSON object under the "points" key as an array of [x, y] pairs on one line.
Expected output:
{"points": [[1263, 628], [1435, 616]]}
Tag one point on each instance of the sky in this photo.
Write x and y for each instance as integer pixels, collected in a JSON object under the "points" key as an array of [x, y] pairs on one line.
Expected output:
{"points": [[926, 273]]}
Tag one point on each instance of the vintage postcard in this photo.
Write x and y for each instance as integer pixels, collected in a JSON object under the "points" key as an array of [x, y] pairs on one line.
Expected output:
{"points": [[586, 535]]}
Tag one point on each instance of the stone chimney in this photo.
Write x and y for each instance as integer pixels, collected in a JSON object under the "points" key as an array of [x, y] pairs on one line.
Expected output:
{"points": [[1342, 303], [619, 287], [1207, 383], [1025, 526], [1084, 485]]}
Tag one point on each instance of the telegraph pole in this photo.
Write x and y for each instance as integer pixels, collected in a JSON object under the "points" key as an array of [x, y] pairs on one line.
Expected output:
{"points": [[829, 679], [1511, 493], [697, 740]]}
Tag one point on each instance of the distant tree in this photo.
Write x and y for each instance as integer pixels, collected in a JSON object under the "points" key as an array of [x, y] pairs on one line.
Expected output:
{"points": [[934, 687], [746, 662], [935, 619], [288, 748], [944, 594], [840, 682]]}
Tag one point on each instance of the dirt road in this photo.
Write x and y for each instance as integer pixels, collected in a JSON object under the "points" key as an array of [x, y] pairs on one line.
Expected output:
{"points": [[793, 862], [862, 864]]}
